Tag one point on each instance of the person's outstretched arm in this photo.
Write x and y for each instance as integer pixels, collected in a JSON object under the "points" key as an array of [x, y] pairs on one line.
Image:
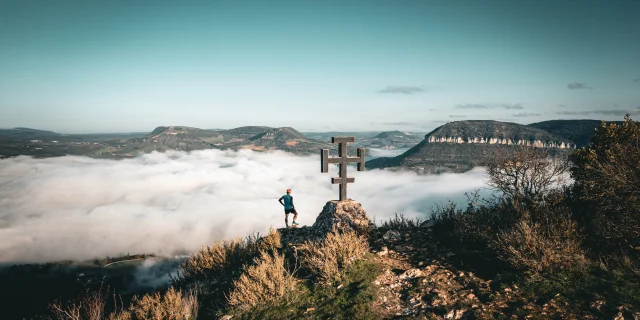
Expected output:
{"points": [[280, 200]]}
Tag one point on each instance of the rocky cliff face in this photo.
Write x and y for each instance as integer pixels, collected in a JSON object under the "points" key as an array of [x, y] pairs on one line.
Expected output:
{"points": [[505, 141]]}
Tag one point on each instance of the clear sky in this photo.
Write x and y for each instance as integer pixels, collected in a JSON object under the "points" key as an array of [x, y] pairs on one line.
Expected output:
{"points": [[315, 65]]}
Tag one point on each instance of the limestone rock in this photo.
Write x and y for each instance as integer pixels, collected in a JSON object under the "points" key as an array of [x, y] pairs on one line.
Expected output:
{"points": [[336, 215], [343, 215]]}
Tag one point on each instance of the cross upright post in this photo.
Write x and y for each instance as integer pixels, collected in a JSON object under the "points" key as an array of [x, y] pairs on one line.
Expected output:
{"points": [[342, 160]]}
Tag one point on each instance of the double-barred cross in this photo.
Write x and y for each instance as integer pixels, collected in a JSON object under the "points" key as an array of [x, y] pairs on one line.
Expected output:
{"points": [[342, 160]]}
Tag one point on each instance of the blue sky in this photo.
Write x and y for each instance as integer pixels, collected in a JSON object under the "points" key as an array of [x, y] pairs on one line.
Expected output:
{"points": [[123, 65]]}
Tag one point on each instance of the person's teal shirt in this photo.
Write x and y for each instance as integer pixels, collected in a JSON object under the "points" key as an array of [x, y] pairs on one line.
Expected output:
{"points": [[288, 201]]}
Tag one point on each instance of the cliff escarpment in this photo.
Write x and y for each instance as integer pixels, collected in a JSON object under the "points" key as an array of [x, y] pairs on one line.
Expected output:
{"points": [[459, 146]]}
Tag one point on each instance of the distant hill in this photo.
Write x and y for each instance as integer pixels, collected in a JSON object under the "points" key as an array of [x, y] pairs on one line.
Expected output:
{"points": [[39, 143], [35, 134], [453, 146], [243, 132], [28, 134], [461, 145], [577, 131], [326, 136], [489, 130], [279, 133], [184, 138], [391, 140], [285, 138]]}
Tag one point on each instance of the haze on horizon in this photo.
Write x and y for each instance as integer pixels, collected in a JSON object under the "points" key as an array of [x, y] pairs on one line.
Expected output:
{"points": [[129, 66]]}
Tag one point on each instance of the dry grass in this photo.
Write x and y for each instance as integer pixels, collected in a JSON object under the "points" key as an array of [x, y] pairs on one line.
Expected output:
{"points": [[270, 241], [222, 260], [219, 261], [89, 307], [263, 283], [173, 305], [542, 246], [327, 259]]}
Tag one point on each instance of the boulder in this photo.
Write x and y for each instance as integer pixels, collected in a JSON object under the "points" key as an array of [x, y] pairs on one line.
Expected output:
{"points": [[336, 215], [343, 215]]}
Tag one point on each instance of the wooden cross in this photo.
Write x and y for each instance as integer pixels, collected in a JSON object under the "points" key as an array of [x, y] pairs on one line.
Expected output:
{"points": [[342, 160]]}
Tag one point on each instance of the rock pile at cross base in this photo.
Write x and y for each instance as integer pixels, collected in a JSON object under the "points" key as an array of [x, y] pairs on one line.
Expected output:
{"points": [[336, 215]]}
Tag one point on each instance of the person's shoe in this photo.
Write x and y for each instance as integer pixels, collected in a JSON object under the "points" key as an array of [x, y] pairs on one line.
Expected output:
{"points": [[295, 223]]}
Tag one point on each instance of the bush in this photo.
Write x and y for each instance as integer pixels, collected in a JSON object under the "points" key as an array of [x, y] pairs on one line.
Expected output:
{"points": [[221, 262], [271, 241], [216, 263], [262, 283], [174, 305], [607, 187], [546, 245], [399, 222], [528, 226], [527, 176], [474, 227], [327, 259], [90, 307]]}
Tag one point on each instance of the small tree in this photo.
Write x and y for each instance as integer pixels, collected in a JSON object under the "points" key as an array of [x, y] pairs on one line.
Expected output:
{"points": [[607, 184], [528, 176]]}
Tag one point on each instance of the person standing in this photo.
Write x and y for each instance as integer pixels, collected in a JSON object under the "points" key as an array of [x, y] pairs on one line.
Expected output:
{"points": [[287, 201]]}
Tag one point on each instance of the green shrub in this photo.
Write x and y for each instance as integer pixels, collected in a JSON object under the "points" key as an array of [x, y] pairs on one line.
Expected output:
{"points": [[607, 187]]}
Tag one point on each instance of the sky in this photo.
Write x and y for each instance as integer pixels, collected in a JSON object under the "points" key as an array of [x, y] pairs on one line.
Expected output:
{"points": [[79, 208], [87, 66]]}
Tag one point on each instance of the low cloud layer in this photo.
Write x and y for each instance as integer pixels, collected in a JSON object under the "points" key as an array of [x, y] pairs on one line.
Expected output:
{"points": [[167, 203], [578, 85], [386, 152], [401, 89]]}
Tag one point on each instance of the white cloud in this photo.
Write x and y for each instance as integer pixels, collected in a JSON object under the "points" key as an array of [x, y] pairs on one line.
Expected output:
{"points": [[83, 208], [386, 152]]}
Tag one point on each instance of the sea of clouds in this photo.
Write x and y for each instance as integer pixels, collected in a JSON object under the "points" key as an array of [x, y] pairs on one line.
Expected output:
{"points": [[174, 203]]}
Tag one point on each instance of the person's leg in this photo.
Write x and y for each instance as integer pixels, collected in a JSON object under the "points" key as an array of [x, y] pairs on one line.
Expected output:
{"points": [[295, 215], [286, 220]]}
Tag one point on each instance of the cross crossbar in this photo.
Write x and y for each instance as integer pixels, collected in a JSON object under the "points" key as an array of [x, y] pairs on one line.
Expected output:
{"points": [[342, 161], [343, 139]]}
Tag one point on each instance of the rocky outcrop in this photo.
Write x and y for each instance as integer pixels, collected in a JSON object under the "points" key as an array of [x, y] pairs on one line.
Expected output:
{"points": [[505, 141], [343, 215], [336, 215]]}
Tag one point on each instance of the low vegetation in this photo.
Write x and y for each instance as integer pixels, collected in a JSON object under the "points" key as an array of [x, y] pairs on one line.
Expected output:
{"points": [[172, 304], [326, 260], [263, 283]]}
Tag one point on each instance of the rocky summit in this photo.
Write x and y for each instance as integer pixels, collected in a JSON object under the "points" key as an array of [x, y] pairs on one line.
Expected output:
{"points": [[335, 215]]}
